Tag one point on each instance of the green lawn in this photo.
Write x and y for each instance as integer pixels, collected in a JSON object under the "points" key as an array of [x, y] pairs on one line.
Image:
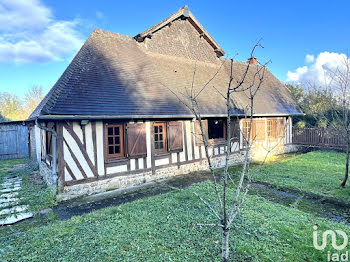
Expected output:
{"points": [[317, 172], [164, 228]]}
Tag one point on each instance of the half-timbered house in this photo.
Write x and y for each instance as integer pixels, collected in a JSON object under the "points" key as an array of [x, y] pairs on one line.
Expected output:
{"points": [[112, 118]]}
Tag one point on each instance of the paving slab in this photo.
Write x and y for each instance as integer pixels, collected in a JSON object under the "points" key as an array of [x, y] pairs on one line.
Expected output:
{"points": [[9, 195], [11, 184], [15, 218], [3, 205], [8, 200], [15, 209], [7, 190]]}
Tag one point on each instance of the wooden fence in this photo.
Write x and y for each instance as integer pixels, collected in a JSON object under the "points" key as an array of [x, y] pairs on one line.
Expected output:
{"points": [[323, 137], [13, 140]]}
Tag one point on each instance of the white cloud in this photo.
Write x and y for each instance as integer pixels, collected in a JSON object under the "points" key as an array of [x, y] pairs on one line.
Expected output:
{"points": [[29, 33], [314, 73], [309, 58]]}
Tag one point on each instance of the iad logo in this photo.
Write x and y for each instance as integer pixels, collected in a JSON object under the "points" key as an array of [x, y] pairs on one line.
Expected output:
{"points": [[335, 256], [333, 237]]}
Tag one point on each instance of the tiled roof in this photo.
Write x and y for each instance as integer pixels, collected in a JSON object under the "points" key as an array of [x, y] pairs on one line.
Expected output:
{"points": [[115, 75]]}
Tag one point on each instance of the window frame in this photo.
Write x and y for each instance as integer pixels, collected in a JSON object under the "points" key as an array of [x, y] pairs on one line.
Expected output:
{"points": [[164, 140], [223, 130], [274, 128], [120, 155]]}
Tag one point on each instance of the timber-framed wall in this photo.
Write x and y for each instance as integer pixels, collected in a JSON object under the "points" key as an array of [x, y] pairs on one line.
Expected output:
{"points": [[84, 168]]}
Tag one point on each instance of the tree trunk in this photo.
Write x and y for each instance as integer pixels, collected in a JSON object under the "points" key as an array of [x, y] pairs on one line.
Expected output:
{"points": [[225, 246], [346, 166]]}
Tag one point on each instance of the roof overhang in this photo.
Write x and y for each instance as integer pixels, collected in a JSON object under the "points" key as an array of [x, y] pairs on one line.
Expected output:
{"points": [[102, 117]]}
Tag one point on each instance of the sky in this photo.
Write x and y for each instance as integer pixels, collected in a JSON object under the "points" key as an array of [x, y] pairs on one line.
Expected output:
{"points": [[39, 38]]}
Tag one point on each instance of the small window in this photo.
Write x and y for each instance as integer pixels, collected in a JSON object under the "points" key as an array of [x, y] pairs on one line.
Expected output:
{"points": [[159, 137], [271, 128], [115, 141], [245, 131], [216, 129]]}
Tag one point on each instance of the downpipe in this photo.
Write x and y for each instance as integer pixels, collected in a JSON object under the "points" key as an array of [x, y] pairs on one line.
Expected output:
{"points": [[54, 156]]}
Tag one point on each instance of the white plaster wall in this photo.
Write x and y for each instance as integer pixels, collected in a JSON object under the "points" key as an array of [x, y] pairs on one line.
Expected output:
{"points": [[37, 143], [78, 154], [100, 148], [78, 131], [89, 142], [163, 161], [189, 139], [148, 144], [117, 169]]}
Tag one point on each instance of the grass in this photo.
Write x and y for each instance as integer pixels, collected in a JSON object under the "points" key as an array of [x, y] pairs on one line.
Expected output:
{"points": [[317, 172], [164, 228], [34, 191]]}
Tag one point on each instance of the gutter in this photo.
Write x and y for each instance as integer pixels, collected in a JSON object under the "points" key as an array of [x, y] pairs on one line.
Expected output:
{"points": [[54, 149], [99, 117]]}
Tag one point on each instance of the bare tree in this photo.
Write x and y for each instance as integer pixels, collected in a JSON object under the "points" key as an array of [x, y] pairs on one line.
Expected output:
{"points": [[32, 99], [226, 208], [338, 81]]}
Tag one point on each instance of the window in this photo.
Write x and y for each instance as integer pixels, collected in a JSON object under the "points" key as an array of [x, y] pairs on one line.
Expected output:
{"points": [[160, 137], [280, 127], [271, 128], [115, 141], [246, 127], [216, 129]]}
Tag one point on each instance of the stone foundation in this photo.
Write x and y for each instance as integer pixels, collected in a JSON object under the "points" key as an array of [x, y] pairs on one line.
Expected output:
{"points": [[46, 174], [73, 191], [102, 185]]}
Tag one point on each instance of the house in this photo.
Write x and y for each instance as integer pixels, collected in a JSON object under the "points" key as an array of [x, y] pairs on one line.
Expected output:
{"points": [[112, 118]]}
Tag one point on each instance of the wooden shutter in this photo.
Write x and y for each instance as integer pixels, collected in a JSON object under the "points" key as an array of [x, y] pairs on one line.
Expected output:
{"points": [[198, 133], [175, 141], [280, 127], [235, 130], [136, 136], [259, 129]]}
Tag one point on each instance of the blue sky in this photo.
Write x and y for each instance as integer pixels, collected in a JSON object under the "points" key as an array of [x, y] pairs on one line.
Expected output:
{"points": [[39, 38]]}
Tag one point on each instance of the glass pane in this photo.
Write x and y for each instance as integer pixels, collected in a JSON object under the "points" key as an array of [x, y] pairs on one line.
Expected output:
{"points": [[116, 130], [156, 145], [156, 138], [161, 145], [110, 130], [160, 128], [117, 140], [110, 150], [161, 137], [117, 149], [110, 140]]}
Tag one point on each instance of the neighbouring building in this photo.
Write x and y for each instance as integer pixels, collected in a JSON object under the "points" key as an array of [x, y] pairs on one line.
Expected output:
{"points": [[117, 122]]}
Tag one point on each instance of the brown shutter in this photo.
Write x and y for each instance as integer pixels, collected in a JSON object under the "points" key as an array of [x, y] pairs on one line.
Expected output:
{"points": [[136, 136], [198, 134], [280, 128], [175, 141], [259, 128], [235, 130]]}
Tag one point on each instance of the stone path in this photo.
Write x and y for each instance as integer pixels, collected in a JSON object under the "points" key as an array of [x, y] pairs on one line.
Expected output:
{"points": [[10, 211]]}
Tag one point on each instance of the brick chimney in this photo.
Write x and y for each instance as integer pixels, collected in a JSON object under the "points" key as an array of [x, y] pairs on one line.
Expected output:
{"points": [[252, 60]]}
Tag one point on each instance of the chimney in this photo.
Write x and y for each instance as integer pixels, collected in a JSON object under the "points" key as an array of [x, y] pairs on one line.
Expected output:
{"points": [[252, 60]]}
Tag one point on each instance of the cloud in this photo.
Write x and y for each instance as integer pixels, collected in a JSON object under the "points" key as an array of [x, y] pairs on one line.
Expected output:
{"points": [[309, 58], [315, 71], [29, 33]]}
